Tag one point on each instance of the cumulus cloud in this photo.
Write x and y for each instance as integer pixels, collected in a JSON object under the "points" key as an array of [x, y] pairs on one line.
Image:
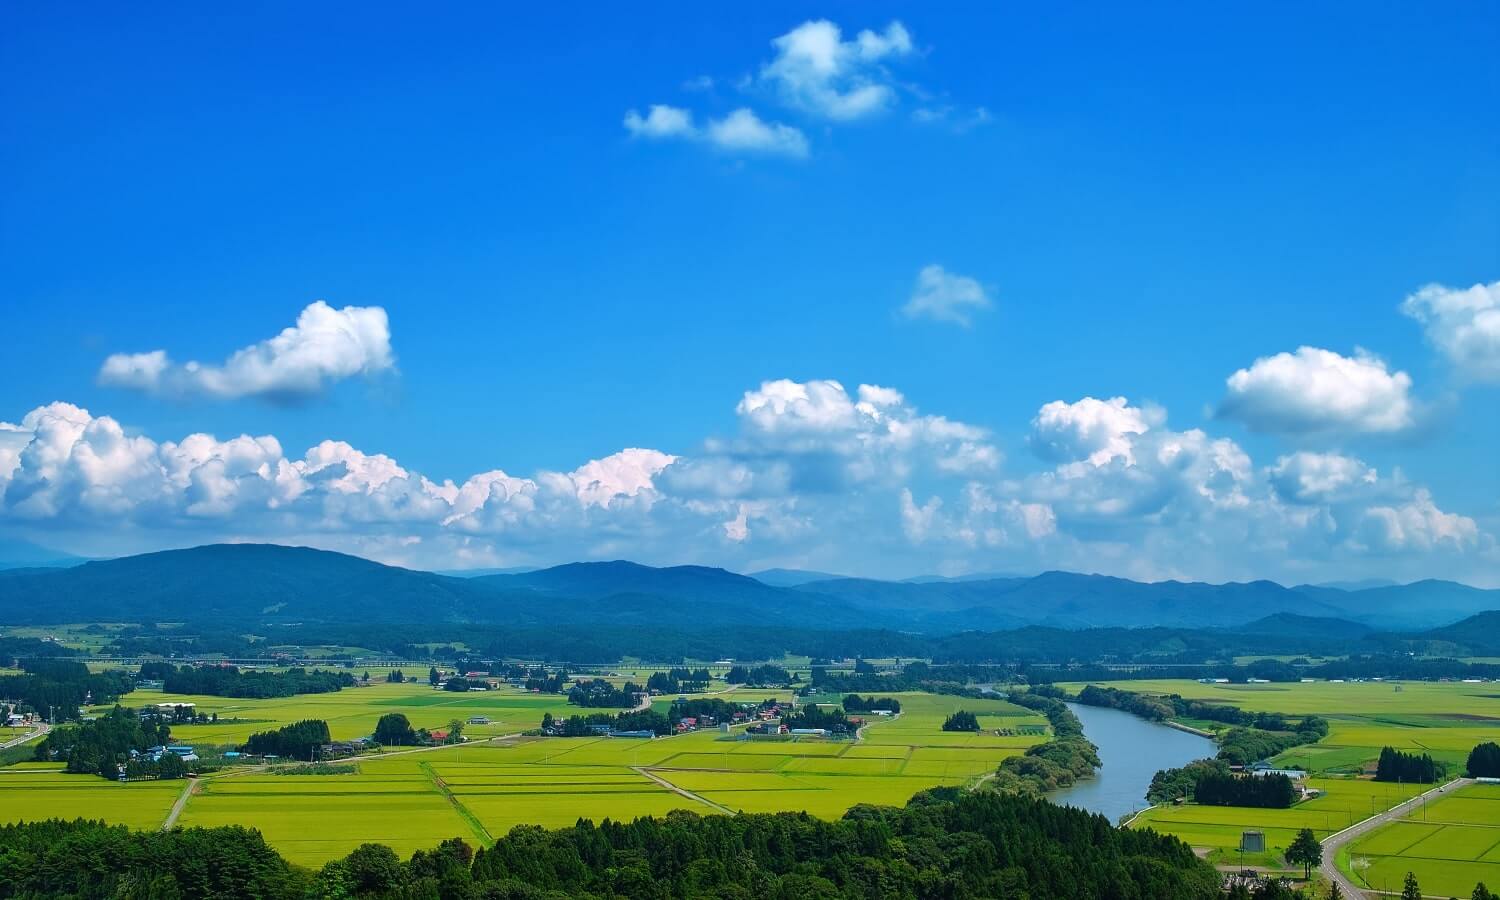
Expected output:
{"points": [[1464, 325], [325, 346], [813, 474], [1319, 391], [1096, 431], [816, 70], [946, 297], [741, 132], [1307, 477]]}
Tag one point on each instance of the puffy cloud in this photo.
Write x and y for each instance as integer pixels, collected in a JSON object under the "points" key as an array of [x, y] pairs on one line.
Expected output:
{"points": [[741, 132], [661, 121], [744, 131], [1464, 324], [326, 345], [1094, 430], [1306, 477], [814, 475], [1316, 390], [946, 297], [1417, 525], [816, 70]]}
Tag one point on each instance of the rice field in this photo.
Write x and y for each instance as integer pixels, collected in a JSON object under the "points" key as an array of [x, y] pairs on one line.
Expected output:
{"points": [[479, 791], [1450, 846]]}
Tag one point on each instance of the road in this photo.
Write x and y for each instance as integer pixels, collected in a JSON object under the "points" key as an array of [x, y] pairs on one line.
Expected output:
{"points": [[40, 730], [1333, 842], [187, 791]]}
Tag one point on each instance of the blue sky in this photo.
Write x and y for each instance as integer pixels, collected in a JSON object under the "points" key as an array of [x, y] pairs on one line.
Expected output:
{"points": [[1145, 201]]}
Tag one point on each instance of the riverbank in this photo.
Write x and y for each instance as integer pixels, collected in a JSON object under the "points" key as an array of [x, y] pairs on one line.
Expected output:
{"points": [[1131, 751]]}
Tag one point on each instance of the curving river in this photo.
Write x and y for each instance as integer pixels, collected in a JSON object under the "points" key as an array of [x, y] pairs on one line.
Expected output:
{"points": [[1132, 750]]}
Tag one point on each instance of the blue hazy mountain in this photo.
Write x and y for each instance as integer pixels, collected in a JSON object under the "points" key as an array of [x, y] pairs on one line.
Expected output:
{"points": [[264, 582]]}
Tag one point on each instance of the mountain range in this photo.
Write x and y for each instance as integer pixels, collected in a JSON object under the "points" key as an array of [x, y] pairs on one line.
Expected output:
{"points": [[267, 582]]}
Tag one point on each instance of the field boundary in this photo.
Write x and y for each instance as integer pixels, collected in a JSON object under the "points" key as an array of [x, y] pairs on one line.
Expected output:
{"points": [[463, 811]]}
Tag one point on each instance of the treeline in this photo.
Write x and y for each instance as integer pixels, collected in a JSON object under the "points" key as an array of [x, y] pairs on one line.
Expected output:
{"points": [[944, 843], [679, 681], [1179, 783], [1484, 761], [962, 720], [1057, 763], [1266, 791], [854, 703], [585, 725], [230, 681], [300, 740], [765, 675], [60, 687], [1407, 767], [812, 715], [101, 746], [597, 692]]}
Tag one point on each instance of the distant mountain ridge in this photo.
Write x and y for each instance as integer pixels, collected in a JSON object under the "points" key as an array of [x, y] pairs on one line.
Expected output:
{"points": [[267, 582]]}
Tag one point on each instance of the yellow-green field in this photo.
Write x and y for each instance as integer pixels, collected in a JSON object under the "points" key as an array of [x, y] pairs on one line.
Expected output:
{"points": [[1450, 846], [410, 800], [1445, 719], [1218, 828]]}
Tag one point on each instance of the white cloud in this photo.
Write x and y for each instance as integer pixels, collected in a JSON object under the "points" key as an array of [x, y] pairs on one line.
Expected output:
{"points": [[661, 121], [741, 132], [814, 475], [946, 297], [1464, 324], [326, 345], [1319, 391], [1306, 477], [1094, 430], [819, 72], [744, 131], [1417, 525]]}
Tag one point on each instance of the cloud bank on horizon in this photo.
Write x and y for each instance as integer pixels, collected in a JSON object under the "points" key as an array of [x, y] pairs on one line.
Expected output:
{"points": [[815, 475]]}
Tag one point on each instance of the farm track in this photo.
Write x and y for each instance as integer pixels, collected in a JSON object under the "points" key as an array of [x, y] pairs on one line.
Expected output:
{"points": [[463, 811], [642, 770], [188, 790]]}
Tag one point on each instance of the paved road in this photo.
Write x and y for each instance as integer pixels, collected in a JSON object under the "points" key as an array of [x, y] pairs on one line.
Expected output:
{"points": [[1333, 842], [41, 729], [187, 791]]}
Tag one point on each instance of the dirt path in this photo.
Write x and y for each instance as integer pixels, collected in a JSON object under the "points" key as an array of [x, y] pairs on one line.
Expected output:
{"points": [[464, 812], [188, 790], [1334, 842], [641, 770]]}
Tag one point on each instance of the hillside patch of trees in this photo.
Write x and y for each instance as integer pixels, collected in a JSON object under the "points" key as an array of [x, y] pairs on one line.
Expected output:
{"points": [[765, 675], [1263, 791], [597, 692], [1484, 761], [300, 740], [230, 681], [854, 703], [1180, 783], [99, 747], [1057, 763], [1407, 767], [60, 687]]}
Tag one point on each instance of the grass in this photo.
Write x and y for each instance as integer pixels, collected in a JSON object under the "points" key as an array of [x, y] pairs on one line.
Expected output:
{"points": [[1451, 845], [481, 791]]}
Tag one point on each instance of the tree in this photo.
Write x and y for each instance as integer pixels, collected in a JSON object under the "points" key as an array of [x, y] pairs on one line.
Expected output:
{"points": [[1305, 851], [434, 676], [1482, 893], [1334, 891], [394, 729], [1484, 761], [1411, 890], [395, 676]]}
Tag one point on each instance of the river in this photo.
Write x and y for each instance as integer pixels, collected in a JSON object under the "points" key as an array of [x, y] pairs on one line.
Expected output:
{"points": [[1132, 750]]}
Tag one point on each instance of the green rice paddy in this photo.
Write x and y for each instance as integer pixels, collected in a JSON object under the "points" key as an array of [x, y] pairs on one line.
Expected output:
{"points": [[1450, 845], [479, 791]]}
